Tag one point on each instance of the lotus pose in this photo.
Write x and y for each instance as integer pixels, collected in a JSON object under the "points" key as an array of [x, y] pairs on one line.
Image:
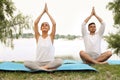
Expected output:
{"points": [[92, 41], [45, 49]]}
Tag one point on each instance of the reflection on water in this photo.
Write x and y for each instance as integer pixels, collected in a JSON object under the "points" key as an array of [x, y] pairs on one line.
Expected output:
{"points": [[24, 49]]}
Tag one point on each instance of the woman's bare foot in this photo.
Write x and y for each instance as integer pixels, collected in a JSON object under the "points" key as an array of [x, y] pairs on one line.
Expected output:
{"points": [[52, 69], [43, 68]]}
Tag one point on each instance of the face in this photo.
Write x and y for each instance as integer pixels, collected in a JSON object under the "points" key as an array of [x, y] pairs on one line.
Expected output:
{"points": [[92, 28], [45, 27]]}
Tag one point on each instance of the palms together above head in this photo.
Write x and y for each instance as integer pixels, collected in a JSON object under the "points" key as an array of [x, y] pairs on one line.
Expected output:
{"points": [[45, 8], [93, 13]]}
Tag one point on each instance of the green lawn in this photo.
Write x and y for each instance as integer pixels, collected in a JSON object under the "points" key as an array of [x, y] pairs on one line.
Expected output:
{"points": [[105, 72]]}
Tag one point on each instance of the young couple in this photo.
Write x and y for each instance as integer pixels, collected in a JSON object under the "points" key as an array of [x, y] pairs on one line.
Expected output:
{"points": [[45, 51]]}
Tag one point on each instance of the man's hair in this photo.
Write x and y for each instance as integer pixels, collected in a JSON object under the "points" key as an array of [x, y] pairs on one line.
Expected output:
{"points": [[90, 23]]}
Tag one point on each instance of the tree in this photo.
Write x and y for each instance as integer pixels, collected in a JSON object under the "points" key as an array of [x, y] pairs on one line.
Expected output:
{"points": [[114, 38], [11, 25]]}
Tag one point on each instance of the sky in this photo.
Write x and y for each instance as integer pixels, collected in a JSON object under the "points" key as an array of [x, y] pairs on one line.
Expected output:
{"points": [[68, 14]]}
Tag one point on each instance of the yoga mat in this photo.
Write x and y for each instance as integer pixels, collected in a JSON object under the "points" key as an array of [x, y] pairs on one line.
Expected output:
{"points": [[72, 61], [114, 62], [76, 67], [111, 62], [13, 66]]}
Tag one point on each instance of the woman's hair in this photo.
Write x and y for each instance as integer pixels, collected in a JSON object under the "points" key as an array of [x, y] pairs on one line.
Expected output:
{"points": [[45, 23]]}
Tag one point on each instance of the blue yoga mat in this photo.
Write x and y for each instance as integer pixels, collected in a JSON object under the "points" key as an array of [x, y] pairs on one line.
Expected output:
{"points": [[68, 65], [110, 62], [12, 66], [77, 67], [114, 62], [72, 62]]}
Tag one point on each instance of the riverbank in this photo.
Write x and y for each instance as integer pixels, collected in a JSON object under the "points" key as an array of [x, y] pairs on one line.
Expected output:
{"points": [[24, 49]]}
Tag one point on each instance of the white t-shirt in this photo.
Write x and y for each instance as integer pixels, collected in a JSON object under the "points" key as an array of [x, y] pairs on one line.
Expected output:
{"points": [[93, 42], [45, 49]]}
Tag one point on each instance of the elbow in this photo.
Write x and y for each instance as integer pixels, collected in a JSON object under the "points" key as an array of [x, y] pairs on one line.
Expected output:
{"points": [[54, 24], [35, 23]]}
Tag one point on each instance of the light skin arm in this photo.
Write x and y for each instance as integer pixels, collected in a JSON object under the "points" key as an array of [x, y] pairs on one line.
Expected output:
{"points": [[93, 13], [102, 28], [37, 34], [52, 34], [88, 18], [98, 18], [84, 31]]}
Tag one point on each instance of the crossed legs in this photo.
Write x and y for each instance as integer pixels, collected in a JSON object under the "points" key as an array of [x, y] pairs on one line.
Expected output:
{"points": [[52, 65], [36, 65], [99, 60]]}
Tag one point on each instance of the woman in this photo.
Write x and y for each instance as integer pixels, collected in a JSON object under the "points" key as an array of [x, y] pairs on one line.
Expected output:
{"points": [[45, 49]]}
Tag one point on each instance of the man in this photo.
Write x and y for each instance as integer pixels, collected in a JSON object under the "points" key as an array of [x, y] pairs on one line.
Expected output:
{"points": [[92, 41]]}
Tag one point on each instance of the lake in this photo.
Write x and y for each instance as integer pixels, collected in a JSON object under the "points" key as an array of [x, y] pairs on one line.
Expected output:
{"points": [[24, 49]]}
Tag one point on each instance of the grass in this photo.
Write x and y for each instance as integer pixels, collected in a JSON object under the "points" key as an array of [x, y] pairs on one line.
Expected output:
{"points": [[105, 72]]}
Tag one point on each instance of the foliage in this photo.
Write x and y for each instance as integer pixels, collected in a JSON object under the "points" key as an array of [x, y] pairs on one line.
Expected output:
{"points": [[115, 7], [114, 42], [69, 37], [27, 35], [114, 38], [57, 36], [11, 24]]}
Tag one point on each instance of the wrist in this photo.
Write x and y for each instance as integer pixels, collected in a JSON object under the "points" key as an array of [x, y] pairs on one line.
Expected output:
{"points": [[90, 16], [95, 15]]}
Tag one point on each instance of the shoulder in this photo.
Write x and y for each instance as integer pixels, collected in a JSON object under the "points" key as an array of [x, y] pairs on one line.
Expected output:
{"points": [[103, 23], [84, 23]]}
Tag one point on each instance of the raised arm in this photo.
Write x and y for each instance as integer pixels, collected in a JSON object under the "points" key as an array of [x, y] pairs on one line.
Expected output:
{"points": [[88, 18], [102, 27], [36, 31], [98, 18], [84, 30], [52, 34]]}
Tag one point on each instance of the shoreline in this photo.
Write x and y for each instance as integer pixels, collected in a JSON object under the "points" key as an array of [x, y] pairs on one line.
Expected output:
{"points": [[24, 49]]}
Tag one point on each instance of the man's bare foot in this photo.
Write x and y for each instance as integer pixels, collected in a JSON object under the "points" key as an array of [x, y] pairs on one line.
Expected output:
{"points": [[103, 62], [96, 62]]}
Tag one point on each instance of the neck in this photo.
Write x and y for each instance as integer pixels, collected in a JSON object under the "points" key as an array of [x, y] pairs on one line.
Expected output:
{"points": [[92, 33], [44, 34]]}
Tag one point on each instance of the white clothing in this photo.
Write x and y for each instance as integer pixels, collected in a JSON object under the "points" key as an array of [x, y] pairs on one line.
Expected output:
{"points": [[44, 55], [35, 65], [45, 50], [93, 42]]}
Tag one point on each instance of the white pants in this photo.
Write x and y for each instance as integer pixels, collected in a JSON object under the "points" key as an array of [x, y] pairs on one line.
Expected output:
{"points": [[35, 65]]}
